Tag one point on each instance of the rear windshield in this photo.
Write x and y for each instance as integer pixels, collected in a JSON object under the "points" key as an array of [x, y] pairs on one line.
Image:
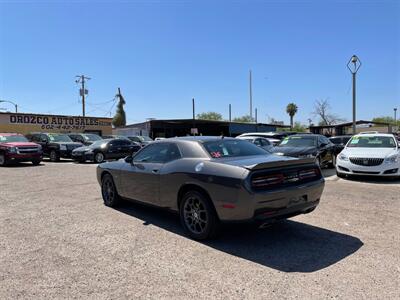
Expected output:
{"points": [[298, 141], [372, 142], [12, 138], [232, 148]]}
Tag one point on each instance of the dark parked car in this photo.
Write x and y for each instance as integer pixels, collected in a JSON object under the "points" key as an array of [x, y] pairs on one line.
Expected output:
{"points": [[15, 147], [84, 138], [210, 180], [141, 139], [308, 146], [54, 145], [105, 149], [340, 141], [258, 141]]}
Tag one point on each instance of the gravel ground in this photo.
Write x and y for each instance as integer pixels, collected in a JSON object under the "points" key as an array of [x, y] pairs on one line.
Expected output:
{"points": [[57, 240]]}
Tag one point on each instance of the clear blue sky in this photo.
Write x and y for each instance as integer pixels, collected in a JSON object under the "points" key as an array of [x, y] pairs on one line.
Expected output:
{"points": [[163, 53]]}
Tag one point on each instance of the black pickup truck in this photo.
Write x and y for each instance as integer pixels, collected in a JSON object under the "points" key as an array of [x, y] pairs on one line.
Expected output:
{"points": [[54, 145]]}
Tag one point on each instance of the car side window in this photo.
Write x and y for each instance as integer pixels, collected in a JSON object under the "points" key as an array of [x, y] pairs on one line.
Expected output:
{"points": [[257, 142], [265, 142], [126, 143], [158, 153]]}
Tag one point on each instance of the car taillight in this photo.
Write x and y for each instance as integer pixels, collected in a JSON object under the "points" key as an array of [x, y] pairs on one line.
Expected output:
{"points": [[310, 173], [267, 180]]}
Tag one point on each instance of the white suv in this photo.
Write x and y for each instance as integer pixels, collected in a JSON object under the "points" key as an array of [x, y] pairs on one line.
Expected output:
{"points": [[370, 154]]}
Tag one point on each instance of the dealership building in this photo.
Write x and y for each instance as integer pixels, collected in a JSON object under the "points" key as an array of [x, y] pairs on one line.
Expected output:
{"points": [[26, 123], [182, 127]]}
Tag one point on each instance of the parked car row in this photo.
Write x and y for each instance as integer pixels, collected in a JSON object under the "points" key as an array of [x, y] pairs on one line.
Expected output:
{"points": [[77, 146]]}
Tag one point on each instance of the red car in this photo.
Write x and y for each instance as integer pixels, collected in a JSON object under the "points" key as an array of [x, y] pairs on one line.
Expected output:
{"points": [[15, 147]]}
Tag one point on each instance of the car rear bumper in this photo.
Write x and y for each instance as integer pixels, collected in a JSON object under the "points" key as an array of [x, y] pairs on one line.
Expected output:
{"points": [[344, 167], [270, 205]]}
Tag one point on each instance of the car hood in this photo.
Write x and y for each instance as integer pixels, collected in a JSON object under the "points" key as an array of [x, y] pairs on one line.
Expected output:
{"points": [[294, 151], [370, 152], [19, 144], [263, 161]]}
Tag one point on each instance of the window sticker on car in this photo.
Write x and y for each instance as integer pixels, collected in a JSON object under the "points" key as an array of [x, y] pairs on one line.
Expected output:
{"points": [[354, 141], [216, 154], [2, 138], [225, 151], [285, 141]]}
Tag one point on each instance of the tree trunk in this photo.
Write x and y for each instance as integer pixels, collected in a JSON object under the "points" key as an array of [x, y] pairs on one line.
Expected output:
{"points": [[291, 122]]}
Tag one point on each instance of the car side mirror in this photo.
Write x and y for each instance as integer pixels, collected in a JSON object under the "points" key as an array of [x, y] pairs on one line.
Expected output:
{"points": [[129, 159], [43, 140], [323, 145]]}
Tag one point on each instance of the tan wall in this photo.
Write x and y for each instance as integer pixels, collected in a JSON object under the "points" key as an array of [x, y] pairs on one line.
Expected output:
{"points": [[26, 123]]}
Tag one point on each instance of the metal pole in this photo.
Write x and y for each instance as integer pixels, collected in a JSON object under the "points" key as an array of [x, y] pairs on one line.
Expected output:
{"points": [[194, 115], [395, 117], [16, 108], [83, 95], [354, 103], [251, 95], [255, 114], [230, 119]]}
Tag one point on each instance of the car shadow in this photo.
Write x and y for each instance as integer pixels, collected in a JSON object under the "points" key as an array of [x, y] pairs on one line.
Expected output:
{"points": [[23, 165], [288, 246], [373, 179]]}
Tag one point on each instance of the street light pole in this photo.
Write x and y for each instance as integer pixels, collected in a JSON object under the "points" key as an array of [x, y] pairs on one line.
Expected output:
{"points": [[395, 117], [15, 105], [353, 65]]}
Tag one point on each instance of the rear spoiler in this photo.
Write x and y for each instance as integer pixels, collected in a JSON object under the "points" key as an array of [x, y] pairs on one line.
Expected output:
{"points": [[281, 163]]}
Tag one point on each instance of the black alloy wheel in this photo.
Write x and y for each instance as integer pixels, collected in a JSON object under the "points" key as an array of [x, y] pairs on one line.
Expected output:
{"points": [[109, 192], [198, 216], [54, 156]]}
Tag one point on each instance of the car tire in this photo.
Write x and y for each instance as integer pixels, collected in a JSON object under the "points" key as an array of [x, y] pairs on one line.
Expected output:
{"points": [[99, 157], [54, 156], [332, 165], [109, 192], [3, 160], [36, 162], [198, 216]]}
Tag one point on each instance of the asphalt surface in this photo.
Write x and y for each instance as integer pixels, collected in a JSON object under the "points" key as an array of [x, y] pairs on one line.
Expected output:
{"points": [[57, 240]]}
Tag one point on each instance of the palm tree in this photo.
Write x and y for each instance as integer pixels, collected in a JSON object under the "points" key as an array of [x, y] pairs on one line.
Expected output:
{"points": [[291, 110]]}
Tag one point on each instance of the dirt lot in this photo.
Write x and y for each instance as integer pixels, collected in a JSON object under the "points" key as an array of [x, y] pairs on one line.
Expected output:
{"points": [[57, 240]]}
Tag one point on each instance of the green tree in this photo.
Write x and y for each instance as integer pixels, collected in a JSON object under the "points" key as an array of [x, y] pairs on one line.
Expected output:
{"points": [[298, 127], [243, 119], [119, 119], [211, 115], [386, 119], [291, 110]]}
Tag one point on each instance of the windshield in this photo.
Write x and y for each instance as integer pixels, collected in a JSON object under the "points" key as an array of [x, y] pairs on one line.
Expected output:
{"points": [[12, 138], [59, 138], [145, 139], [372, 142], [298, 141], [232, 148], [92, 137]]}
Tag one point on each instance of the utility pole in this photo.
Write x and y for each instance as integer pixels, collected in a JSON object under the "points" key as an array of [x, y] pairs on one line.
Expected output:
{"points": [[395, 117], [353, 65], [255, 114], [194, 116], [82, 92], [230, 119], [251, 95]]}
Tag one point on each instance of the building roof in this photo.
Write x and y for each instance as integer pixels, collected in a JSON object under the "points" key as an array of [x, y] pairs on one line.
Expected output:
{"points": [[350, 124], [201, 121]]}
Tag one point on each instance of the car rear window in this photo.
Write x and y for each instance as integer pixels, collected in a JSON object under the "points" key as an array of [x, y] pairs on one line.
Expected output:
{"points": [[232, 148]]}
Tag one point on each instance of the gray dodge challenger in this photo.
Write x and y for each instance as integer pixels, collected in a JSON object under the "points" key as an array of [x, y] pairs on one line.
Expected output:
{"points": [[213, 180]]}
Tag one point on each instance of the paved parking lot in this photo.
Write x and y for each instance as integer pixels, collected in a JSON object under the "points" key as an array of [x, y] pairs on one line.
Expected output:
{"points": [[57, 240]]}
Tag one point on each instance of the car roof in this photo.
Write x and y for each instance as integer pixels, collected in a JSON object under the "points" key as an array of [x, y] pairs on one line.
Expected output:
{"points": [[306, 135], [198, 138], [375, 134]]}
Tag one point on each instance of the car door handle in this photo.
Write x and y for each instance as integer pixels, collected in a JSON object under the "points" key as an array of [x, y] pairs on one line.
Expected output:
{"points": [[155, 171]]}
